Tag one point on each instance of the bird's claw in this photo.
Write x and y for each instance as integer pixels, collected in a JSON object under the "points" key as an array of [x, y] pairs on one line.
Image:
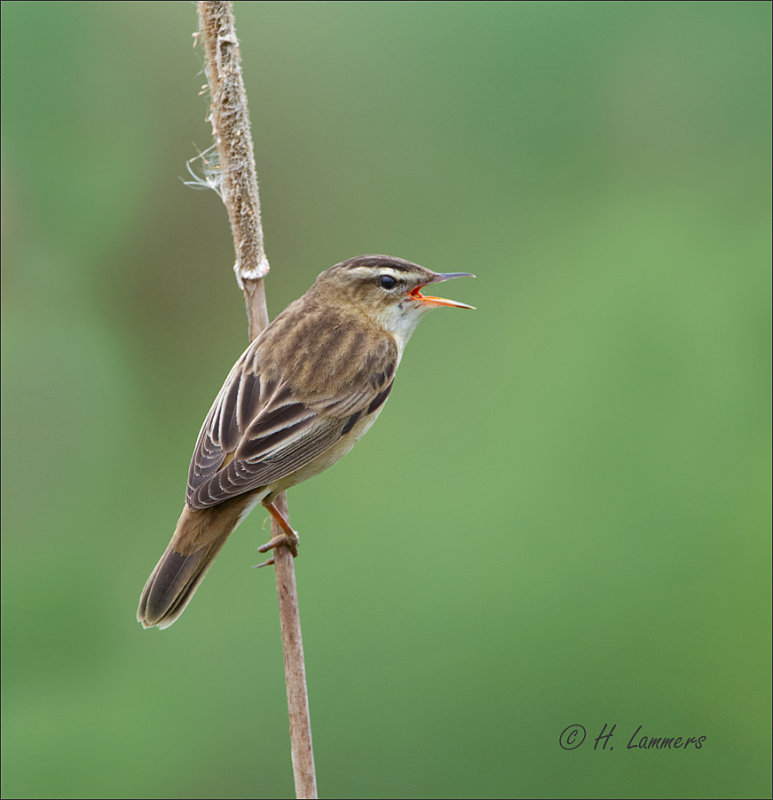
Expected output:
{"points": [[290, 541]]}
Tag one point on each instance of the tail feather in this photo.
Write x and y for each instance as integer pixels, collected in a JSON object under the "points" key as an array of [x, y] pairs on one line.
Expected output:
{"points": [[198, 538], [172, 584]]}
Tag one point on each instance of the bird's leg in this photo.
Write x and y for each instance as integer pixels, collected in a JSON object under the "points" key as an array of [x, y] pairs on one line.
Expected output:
{"points": [[289, 538]]}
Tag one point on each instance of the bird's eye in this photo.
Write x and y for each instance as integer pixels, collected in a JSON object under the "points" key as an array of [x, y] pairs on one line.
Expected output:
{"points": [[387, 282]]}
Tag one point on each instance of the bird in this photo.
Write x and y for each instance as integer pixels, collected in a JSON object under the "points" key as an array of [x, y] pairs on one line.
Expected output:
{"points": [[296, 401]]}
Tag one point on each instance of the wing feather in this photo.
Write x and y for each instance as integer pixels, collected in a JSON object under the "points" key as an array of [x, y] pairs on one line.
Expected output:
{"points": [[260, 430]]}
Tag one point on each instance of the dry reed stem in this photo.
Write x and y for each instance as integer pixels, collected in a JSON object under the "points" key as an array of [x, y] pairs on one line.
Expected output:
{"points": [[239, 190]]}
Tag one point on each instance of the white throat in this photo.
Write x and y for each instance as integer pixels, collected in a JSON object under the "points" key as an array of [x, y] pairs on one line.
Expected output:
{"points": [[401, 320]]}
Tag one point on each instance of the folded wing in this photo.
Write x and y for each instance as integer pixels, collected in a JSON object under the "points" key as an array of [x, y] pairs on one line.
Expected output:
{"points": [[259, 430]]}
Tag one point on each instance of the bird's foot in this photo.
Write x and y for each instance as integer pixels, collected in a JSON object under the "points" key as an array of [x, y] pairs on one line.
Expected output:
{"points": [[288, 538], [290, 542]]}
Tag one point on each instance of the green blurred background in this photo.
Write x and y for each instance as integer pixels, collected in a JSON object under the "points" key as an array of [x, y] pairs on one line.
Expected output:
{"points": [[563, 515]]}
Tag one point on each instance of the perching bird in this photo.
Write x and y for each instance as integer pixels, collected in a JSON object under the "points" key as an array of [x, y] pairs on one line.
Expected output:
{"points": [[296, 401]]}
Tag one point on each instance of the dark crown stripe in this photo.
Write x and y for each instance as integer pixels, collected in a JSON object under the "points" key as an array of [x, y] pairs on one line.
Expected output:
{"points": [[387, 262]]}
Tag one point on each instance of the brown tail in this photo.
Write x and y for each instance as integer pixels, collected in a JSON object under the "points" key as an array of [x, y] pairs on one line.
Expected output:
{"points": [[196, 541]]}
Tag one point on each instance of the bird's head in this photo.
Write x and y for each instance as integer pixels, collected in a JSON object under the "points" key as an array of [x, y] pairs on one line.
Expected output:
{"points": [[385, 289]]}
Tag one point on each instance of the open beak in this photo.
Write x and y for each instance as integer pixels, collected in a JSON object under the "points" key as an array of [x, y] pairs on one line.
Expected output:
{"points": [[440, 301]]}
